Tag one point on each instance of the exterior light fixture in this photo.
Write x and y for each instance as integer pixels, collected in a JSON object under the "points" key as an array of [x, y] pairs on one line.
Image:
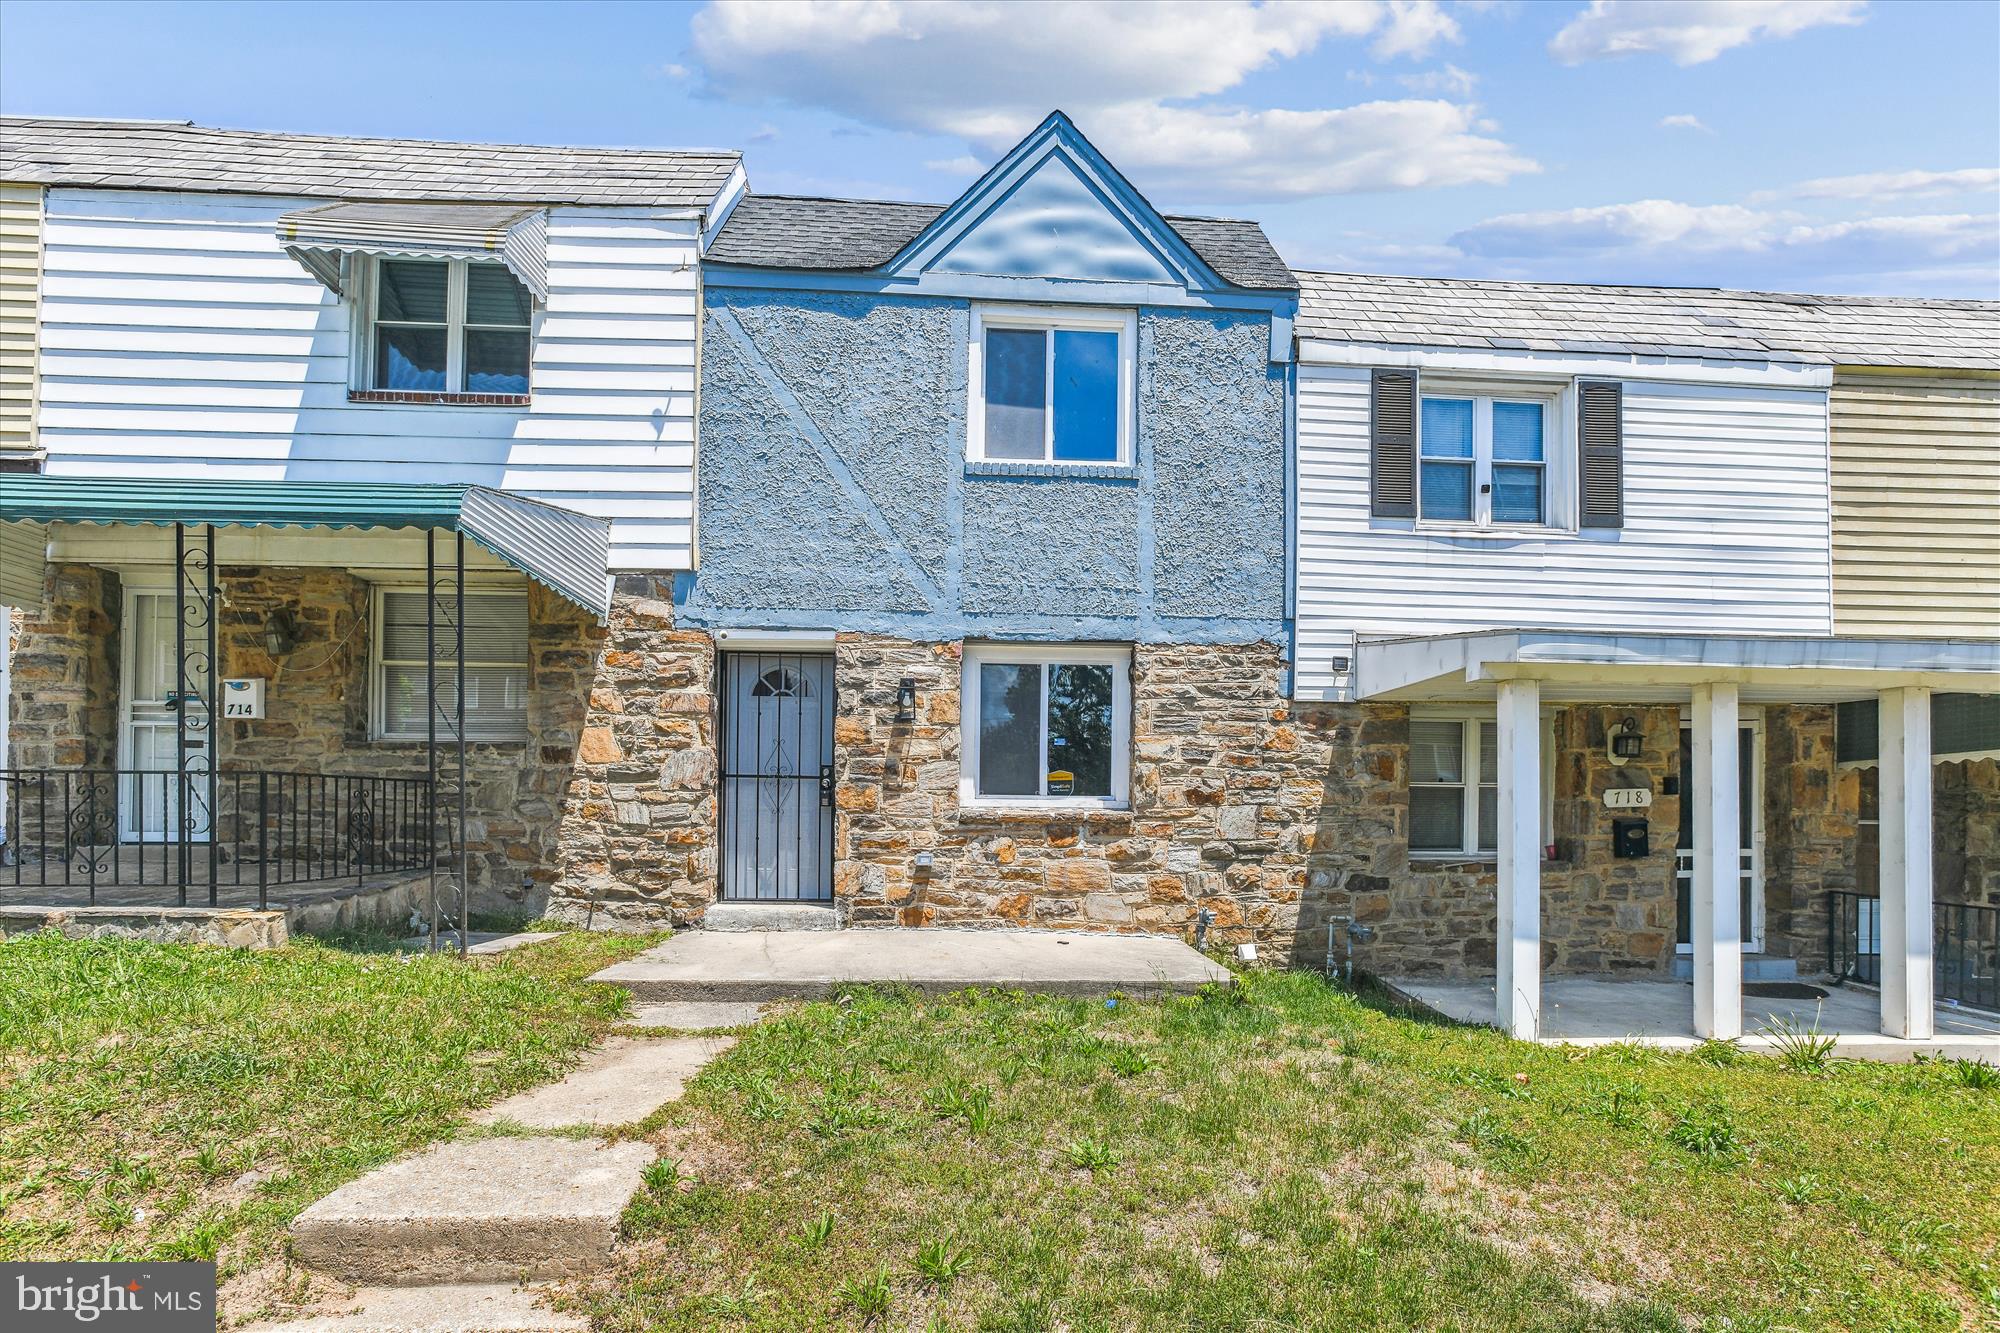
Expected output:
{"points": [[282, 632], [1627, 741], [906, 699]]}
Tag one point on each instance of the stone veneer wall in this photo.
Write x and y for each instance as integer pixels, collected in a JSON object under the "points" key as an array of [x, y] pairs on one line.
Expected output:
{"points": [[635, 840], [1811, 845], [1223, 791], [65, 673], [1966, 813]]}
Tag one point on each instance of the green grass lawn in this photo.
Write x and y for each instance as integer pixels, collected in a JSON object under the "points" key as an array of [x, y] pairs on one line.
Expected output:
{"points": [[166, 1101], [1291, 1157], [1283, 1156]]}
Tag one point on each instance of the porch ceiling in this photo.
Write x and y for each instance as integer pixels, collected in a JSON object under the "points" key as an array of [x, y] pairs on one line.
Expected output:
{"points": [[1579, 667], [565, 551]]}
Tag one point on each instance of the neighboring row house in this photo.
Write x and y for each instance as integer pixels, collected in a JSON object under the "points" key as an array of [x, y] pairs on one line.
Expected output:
{"points": [[607, 539]]}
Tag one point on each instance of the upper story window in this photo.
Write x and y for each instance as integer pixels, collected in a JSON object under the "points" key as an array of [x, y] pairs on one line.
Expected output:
{"points": [[447, 326], [1051, 386], [1483, 461], [1046, 724]]}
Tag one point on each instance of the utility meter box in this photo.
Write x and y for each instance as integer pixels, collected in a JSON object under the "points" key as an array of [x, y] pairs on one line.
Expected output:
{"points": [[243, 700], [1629, 839]]}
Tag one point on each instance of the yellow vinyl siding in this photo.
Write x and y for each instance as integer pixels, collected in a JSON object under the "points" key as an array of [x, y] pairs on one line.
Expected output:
{"points": [[1916, 504], [20, 286]]}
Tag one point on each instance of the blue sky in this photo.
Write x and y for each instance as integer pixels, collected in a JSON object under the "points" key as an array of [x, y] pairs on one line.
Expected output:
{"points": [[1831, 146]]}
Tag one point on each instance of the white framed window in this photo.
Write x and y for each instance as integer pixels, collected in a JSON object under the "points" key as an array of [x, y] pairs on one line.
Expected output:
{"points": [[1491, 458], [496, 664], [1455, 783], [1051, 385], [444, 326], [1046, 724]]}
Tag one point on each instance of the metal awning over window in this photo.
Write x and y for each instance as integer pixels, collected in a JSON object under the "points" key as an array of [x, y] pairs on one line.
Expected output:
{"points": [[320, 238], [564, 551]]}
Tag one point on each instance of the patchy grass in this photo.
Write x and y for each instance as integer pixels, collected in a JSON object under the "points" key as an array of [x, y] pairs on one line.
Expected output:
{"points": [[173, 1102], [1290, 1156]]}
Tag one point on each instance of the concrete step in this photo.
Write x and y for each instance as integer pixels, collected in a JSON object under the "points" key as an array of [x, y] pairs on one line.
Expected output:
{"points": [[716, 967], [457, 1308], [770, 916], [619, 1083], [481, 1210], [694, 1016], [480, 942]]}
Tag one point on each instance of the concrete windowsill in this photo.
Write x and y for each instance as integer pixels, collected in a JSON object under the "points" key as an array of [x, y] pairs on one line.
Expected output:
{"points": [[1044, 814], [1123, 472]]}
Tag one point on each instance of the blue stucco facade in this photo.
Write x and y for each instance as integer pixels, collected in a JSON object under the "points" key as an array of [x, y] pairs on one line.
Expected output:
{"points": [[834, 491]]}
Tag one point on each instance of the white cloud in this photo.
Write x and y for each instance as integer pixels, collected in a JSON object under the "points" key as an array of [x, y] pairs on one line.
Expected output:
{"points": [[1660, 240], [1413, 28], [977, 71], [963, 165], [1904, 184], [1450, 81], [764, 133], [1691, 32], [675, 71], [1684, 122]]}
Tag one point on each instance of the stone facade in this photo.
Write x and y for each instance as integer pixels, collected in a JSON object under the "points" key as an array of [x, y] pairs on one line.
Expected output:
{"points": [[635, 841], [1966, 855], [1222, 790], [65, 673], [1812, 842]]}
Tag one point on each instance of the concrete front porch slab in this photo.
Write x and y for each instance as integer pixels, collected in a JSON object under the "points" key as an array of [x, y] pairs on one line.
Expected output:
{"points": [[784, 965], [620, 1083], [483, 1210], [458, 1308], [1600, 1011]]}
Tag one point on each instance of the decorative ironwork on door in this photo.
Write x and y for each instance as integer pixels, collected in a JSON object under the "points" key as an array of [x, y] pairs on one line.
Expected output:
{"points": [[777, 777]]}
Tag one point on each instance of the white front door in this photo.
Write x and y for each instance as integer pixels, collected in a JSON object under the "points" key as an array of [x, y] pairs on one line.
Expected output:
{"points": [[149, 796], [1750, 818]]}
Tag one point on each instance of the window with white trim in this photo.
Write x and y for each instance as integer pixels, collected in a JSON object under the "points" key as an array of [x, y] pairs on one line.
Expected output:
{"points": [[1455, 783], [446, 326], [1483, 460], [496, 665], [1051, 386], [1046, 724]]}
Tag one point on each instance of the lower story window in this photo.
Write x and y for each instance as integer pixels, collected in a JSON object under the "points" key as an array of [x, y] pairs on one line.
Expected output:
{"points": [[1454, 785], [496, 665], [1046, 724]]}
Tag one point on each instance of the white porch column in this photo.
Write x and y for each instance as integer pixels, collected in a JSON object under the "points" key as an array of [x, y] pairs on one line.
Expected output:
{"points": [[1905, 758], [1717, 897], [1517, 971]]}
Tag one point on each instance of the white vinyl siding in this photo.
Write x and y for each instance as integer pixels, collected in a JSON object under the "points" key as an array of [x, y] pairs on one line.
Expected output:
{"points": [[179, 340], [1726, 531]]}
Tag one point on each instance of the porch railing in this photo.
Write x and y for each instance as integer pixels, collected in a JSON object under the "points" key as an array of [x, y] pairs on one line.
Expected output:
{"points": [[98, 829], [1965, 943]]}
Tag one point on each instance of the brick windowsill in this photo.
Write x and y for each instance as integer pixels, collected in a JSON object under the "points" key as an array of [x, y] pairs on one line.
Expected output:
{"points": [[447, 399]]}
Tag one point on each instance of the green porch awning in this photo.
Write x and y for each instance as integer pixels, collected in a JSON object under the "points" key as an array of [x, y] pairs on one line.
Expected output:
{"points": [[564, 551]]}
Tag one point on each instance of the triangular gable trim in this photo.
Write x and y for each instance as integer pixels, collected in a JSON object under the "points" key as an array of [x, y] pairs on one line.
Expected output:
{"points": [[1057, 134]]}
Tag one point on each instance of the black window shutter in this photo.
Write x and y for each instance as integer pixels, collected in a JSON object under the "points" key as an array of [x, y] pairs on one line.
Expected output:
{"points": [[1392, 434], [1600, 433]]}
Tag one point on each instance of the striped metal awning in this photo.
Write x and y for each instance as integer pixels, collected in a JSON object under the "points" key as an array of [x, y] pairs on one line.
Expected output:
{"points": [[565, 551], [517, 236]]}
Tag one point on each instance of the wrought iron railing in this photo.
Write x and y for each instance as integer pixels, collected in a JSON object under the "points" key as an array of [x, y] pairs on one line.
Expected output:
{"points": [[92, 829], [1965, 944]]}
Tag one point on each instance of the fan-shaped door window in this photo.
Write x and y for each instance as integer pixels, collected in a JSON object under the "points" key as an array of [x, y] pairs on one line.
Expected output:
{"points": [[781, 683]]}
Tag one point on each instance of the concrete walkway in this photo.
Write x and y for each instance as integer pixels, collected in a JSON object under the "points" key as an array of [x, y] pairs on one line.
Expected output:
{"points": [[1599, 1011], [437, 1241], [782, 964]]}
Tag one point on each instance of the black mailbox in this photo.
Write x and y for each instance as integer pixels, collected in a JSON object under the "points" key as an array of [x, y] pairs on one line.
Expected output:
{"points": [[1629, 838]]}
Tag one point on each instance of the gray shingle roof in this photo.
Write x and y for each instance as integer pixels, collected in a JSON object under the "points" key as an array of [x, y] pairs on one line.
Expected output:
{"points": [[169, 155], [853, 235], [1709, 323]]}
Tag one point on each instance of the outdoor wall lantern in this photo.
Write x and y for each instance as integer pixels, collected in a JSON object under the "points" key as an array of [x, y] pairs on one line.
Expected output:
{"points": [[1627, 741], [282, 632], [906, 699]]}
